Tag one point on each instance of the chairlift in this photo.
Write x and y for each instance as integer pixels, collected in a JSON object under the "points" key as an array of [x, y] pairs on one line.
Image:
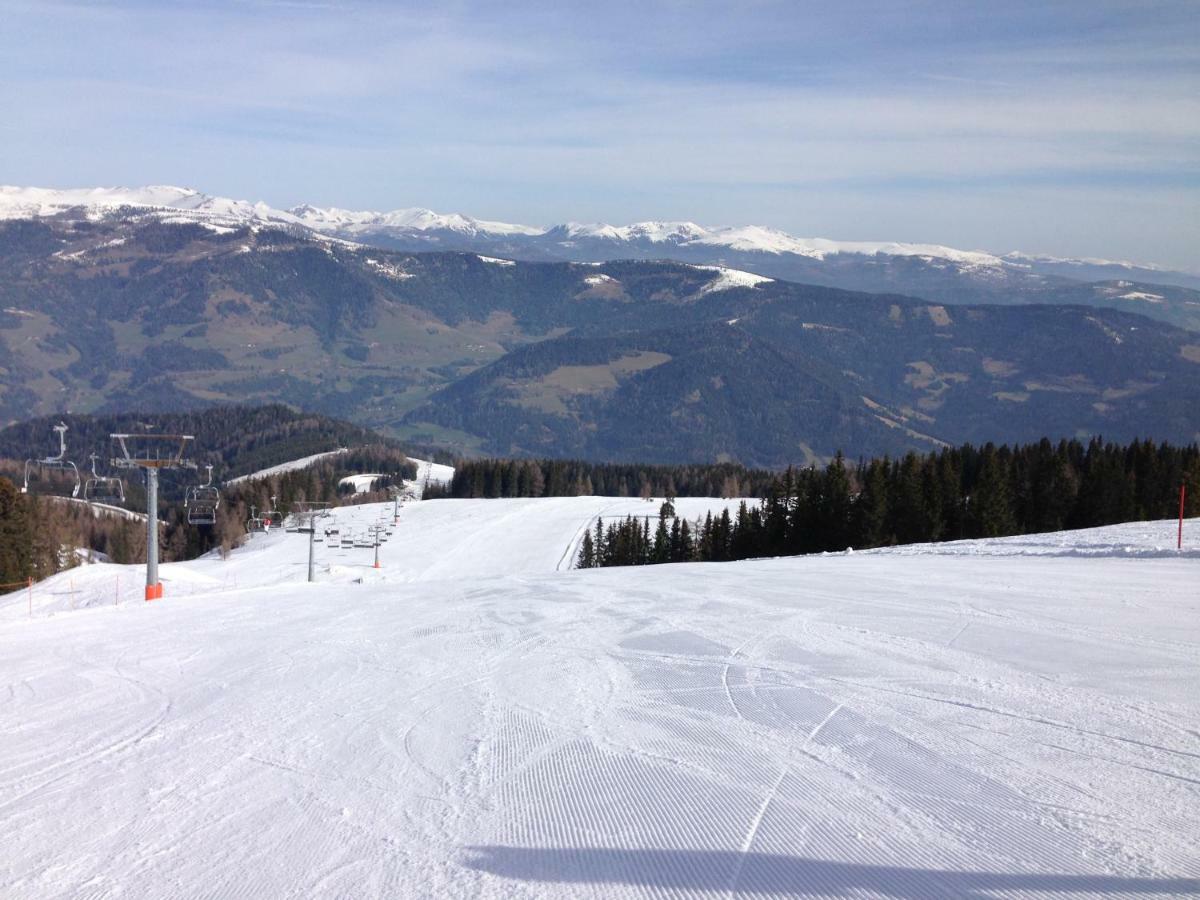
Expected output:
{"points": [[56, 463], [103, 488], [271, 516], [256, 523], [202, 502]]}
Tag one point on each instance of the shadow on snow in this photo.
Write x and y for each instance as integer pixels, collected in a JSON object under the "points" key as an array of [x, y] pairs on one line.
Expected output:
{"points": [[763, 873]]}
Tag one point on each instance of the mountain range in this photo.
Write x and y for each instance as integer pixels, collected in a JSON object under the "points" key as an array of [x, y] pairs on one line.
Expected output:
{"points": [[931, 271], [130, 303]]}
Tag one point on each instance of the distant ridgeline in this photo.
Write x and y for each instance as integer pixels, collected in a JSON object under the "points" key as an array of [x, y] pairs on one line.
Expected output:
{"points": [[963, 492]]}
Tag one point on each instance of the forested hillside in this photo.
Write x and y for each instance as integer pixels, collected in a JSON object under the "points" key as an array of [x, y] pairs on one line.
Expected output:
{"points": [[48, 533], [235, 440], [575, 478], [791, 377], [621, 361], [951, 494]]}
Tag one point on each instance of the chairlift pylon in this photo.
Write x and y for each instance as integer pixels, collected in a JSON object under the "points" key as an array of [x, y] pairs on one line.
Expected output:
{"points": [[58, 462], [202, 502], [103, 488]]}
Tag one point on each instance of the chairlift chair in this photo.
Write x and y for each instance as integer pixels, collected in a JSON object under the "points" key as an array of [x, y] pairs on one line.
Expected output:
{"points": [[271, 516], [103, 488], [56, 463], [255, 524], [202, 502]]}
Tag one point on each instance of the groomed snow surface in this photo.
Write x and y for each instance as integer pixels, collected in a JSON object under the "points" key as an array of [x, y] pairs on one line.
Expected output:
{"points": [[1001, 718]]}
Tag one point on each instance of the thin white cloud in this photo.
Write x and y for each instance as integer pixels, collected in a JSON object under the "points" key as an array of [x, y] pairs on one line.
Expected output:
{"points": [[560, 111]]}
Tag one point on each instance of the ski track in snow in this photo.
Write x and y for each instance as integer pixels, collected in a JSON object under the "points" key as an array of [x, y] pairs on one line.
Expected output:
{"points": [[1015, 717]]}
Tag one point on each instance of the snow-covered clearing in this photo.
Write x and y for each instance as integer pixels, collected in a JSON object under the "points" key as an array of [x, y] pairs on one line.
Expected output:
{"points": [[290, 466], [428, 473], [1004, 718], [730, 278], [362, 482]]}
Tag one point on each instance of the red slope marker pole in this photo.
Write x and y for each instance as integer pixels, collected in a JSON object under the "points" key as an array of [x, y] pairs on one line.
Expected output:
{"points": [[30, 586], [1182, 497]]}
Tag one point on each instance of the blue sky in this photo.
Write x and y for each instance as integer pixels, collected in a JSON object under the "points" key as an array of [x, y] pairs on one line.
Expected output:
{"points": [[1061, 127]]}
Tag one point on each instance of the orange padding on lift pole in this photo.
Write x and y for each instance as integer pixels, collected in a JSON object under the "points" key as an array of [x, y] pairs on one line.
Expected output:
{"points": [[154, 591]]}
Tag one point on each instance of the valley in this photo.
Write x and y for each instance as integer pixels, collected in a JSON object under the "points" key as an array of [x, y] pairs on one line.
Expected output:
{"points": [[622, 360]]}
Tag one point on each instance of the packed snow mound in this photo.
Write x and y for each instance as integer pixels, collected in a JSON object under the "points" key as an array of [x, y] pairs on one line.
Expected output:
{"points": [[899, 724]]}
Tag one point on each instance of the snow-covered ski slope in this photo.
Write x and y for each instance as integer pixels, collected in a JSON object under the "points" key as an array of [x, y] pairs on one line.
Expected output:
{"points": [[1012, 718], [291, 466]]}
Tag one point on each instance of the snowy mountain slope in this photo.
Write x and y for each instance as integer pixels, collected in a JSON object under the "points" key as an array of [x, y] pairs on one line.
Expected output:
{"points": [[169, 201], [415, 219], [893, 725]]}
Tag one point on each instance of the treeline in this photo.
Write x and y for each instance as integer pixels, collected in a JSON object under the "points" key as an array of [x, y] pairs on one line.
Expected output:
{"points": [[42, 535], [961, 492], [575, 478]]}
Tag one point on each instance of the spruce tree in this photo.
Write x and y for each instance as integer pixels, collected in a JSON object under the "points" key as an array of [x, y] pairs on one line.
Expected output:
{"points": [[587, 552], [16, 539]]}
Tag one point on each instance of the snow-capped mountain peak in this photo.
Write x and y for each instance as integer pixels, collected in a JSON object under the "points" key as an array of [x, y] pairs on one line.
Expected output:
{"points": [[407, 219], [654, 232], [33, 202], [420, 228]]}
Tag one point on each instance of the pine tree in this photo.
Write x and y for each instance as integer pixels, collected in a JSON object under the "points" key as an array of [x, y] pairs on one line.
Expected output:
{"points": [[16, 539], [871, 509], [991, 501], [587, 553], [661, 551]]}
